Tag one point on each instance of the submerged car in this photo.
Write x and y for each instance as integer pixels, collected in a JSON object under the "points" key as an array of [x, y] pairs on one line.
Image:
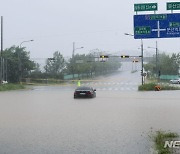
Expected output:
{"points": [[84, 92], [175, 81]]}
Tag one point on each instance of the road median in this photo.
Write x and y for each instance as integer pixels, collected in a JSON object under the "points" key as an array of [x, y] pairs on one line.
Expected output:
{"points": [[157, 87], [11, 86]]}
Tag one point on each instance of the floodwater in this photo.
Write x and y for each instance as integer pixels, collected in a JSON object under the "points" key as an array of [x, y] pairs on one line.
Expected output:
{"points": [[47, 120]]}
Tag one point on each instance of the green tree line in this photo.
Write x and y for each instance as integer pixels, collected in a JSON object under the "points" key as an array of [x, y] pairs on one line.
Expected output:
{"points": [[163, 65], [17, 65]]}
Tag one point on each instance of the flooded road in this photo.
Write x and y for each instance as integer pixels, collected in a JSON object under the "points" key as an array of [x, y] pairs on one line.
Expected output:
{"points": [[48, 120]]}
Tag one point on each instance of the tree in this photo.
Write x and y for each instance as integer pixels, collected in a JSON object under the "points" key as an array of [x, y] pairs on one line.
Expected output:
{"points": [[90, 64], [167, 65], [36, 73], [176, 58], [56, 65], [18, 63]]}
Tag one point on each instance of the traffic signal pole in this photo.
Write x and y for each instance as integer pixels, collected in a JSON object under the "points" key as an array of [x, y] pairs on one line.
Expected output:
{"points": [[157, 68], [142, 73], [142, 77]]}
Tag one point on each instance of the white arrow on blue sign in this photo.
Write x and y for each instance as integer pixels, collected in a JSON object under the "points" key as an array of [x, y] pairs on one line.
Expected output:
{"points": [[157, 26]]}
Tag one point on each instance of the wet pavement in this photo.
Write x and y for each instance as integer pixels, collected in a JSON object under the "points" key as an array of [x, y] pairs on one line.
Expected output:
{"points": [[48, 120]]}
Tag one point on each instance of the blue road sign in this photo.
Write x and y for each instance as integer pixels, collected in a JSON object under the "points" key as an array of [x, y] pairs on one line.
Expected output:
{"points": [[157, 26]]}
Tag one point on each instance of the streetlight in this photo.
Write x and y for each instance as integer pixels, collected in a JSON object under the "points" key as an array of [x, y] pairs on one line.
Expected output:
{"points": [[24, 42], [75, 49], [128, 34], [156, 59], [20, 68], [141, 57], [73, 56]]}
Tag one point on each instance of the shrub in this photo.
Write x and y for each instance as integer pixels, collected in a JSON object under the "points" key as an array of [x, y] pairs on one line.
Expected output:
{"points": [[147, 87], [151, 87], [159, 139]]}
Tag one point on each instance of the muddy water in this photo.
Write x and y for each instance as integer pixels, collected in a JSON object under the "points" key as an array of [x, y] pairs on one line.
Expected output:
{"points": [[51, 121]]}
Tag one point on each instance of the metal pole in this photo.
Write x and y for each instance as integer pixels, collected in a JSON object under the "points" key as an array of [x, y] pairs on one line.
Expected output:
{"points": [[73, 61], [46, 75], [156, 61], [1, 68], [142, 61], [142, 73], [19, 66], [132, 65], [19, 57], [1, 35], [6, 70]]}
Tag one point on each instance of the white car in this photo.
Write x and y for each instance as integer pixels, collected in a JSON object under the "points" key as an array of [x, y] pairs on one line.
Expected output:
{"points": [[4, 82], [175, 81]]}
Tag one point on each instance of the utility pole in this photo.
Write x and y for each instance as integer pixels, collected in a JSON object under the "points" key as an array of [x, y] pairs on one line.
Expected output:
{"points": [[6, 69], [157, 64], [1, 59], [1, 35], [73, 60], [157, 70]]}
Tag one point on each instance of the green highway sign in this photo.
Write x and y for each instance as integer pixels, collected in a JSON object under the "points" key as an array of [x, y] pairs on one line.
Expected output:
{"points": [[157, 17], [173, 5], [146, 7], [174, 24], [142, 30]]}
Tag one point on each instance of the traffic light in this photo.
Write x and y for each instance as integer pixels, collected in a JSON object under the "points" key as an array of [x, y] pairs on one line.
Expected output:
{"points": [[135, 61], [141, 72], [51, 58], [104, 56], [124, 56], [159, 73]]}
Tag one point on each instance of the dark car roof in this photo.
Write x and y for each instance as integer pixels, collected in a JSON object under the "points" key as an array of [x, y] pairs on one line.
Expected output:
{"points": [[84, 88]]}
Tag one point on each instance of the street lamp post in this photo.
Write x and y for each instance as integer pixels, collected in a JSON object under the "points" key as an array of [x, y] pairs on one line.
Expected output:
{"points": [[142, 74], [1, 58], [73, 56], [20, 68], [156, 48], [24, 42]]}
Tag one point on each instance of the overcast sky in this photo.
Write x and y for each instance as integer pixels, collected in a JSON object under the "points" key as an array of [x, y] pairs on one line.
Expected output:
{"points": [[55, 24]]}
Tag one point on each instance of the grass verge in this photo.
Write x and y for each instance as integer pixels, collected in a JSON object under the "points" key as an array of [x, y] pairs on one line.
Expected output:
{"points": [[151, 87], [10, 86], [159, 140]]}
